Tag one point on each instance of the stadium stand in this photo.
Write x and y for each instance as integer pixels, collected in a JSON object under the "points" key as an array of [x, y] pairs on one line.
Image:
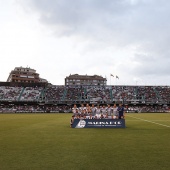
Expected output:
{"points": [[10, 93], [31, 94], [53, 93], [36, 97]]}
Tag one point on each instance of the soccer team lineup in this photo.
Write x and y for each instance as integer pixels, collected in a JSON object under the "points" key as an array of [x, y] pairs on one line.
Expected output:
{"points": [[85, 111]]}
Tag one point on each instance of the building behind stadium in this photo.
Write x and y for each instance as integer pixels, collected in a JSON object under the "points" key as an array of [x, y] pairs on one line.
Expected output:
{"points": [[25, 75], [77, 79]]}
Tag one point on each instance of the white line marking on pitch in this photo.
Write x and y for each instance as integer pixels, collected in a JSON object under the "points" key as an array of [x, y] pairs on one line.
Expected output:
{"points": [[150, 121]]}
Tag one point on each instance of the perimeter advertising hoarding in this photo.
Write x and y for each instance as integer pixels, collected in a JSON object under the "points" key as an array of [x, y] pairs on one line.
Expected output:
{"points": [[98, 123]]}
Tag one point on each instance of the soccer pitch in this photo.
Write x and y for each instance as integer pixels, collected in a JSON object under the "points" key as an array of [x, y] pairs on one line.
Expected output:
{"points": [[46, 141]]}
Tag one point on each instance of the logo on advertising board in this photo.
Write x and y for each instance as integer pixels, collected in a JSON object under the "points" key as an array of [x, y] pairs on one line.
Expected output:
{"points": [[105, 123], [98, 123], [81, 124]]}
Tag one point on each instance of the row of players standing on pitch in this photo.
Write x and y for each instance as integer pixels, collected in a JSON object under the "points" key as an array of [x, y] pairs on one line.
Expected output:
{"points": [[98, 112]]}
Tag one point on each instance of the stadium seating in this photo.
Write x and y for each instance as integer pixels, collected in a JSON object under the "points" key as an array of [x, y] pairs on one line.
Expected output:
{"points": [[53, 93], [31, 94], [10, 93], [151, 94], [138, 97]]}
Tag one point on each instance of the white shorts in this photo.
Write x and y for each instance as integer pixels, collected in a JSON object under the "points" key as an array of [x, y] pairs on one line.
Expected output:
{"points": [[98, 116]]}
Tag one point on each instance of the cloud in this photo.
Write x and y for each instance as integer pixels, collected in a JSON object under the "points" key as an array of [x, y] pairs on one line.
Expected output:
{"points": [[107, 19], [134, 35], [89, 18]]}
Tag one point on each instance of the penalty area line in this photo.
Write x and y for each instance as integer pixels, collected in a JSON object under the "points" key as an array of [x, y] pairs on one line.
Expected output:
{"points": [[149, 121]]}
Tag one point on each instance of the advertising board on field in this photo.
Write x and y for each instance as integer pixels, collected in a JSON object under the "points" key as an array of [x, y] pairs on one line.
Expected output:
{"points": [[98, 123]]}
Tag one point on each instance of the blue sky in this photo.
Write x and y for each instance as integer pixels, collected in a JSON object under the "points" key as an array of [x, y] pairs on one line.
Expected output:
{"points": [[128, 38]]}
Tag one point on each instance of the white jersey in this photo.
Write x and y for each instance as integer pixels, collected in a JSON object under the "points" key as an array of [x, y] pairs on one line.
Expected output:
{"points": [[115, 112], [81, 109], [74, 109], [98, 111], [104, 110], [109, 111], [93, 111]]}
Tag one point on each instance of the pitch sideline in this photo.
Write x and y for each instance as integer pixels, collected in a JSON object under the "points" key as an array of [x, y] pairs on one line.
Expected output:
{"points": [[149, 121]]}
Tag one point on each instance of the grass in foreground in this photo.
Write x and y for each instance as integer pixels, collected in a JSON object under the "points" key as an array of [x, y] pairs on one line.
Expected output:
{"points": [[45, 141]]}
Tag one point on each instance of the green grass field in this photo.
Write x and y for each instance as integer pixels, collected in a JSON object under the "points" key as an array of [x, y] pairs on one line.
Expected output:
{"points": [[46, 141]]}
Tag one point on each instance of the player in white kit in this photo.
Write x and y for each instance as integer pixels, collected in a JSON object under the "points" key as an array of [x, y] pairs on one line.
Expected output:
{"points": [[93, 111], [74, 110], [109, 111], [98, 112], [104, 112], [115, 112]]}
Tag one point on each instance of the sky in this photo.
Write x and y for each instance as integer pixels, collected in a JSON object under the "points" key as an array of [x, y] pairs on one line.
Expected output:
{"points": [[127, 38]]}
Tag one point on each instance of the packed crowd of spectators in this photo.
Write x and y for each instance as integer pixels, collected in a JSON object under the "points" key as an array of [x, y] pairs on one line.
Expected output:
{"points": [[53, 93], [124, 93], [58, 109], [10, 93], [147, 108], [151, 94], [31, 94], [163, 93], [106, 94], [74, 93], [98, 93], [12, 108]]}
